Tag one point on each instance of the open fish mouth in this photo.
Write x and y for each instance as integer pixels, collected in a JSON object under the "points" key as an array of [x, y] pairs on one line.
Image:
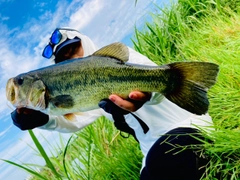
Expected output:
{"points": [[11, 91], [34, 97]]}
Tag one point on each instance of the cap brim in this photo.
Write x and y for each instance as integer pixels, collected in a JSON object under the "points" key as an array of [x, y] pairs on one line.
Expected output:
{"points": [[62, 45]]}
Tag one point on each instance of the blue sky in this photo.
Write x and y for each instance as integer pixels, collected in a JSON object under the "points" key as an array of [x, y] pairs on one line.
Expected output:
{"points": [[25, 27]]}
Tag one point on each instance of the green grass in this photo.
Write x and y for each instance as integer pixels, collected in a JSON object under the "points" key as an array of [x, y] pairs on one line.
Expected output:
{"points": [[98, 152], [211, 34], [192, 30]]}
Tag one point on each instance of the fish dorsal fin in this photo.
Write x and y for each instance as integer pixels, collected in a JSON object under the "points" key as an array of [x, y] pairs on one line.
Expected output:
{"points": [[115, 50]]}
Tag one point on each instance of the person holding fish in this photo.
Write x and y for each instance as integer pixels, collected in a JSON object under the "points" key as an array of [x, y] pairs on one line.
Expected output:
{"points": [[159, 121]]}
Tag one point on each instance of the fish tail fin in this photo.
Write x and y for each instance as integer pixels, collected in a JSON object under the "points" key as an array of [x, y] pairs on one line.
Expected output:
{"points": [[193, 81]]}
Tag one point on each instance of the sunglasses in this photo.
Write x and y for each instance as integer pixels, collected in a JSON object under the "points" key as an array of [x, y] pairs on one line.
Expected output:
{"points": [[55, 38]]}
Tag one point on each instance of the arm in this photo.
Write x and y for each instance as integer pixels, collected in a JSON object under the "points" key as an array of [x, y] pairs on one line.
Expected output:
{"points": [[81, 120], [26, 119]]}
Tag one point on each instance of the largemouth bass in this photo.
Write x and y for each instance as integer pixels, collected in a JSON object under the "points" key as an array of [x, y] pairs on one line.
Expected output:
{"points": [[78, 85]]}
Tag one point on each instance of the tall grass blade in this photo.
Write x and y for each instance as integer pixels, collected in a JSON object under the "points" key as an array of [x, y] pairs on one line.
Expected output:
{"points": [[26, 169], [64, 155], [43, 153], [136, 2]]}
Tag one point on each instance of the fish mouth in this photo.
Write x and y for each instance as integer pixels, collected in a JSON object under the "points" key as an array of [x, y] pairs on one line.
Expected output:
{"points": [[11, 91], [34, 98]]}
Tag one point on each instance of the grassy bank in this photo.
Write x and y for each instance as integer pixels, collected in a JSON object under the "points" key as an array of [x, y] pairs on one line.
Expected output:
{"points": [[205, 31], [191, 30]]}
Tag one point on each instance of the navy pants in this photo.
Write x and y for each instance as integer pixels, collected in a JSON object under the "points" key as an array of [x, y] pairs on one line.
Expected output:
{"points": [[168, 160]]}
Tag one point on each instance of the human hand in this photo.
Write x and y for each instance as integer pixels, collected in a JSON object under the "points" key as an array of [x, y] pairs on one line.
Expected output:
{"points": [[26, 119], [135, 101], [118, 115], [118, 107]]}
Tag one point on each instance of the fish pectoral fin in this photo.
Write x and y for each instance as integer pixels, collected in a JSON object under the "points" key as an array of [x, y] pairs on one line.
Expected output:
{"points": [[71, 116], [79, 113], [116, 50], [63, 101]]}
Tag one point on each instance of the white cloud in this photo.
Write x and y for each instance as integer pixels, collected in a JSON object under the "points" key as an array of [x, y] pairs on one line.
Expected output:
{"points": [[5, 131], [4, 18], [108, 21], [85, 14]]}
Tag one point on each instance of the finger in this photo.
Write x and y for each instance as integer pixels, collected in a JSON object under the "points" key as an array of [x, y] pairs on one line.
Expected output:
{"points": [[24, 111], [20, 110], [122, 103], [140, 96]]}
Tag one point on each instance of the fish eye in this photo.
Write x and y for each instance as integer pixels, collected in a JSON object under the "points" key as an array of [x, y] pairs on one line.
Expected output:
{"points": [[20, 80]]}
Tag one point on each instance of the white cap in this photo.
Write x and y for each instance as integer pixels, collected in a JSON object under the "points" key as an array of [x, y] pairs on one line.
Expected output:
{"points": [[88, 46]]}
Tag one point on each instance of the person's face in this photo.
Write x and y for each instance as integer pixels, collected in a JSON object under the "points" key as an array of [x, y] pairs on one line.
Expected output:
{"points": [[76, 53]]}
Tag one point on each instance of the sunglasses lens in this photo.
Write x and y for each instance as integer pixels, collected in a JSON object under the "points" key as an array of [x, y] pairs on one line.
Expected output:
{"points": [[56, 37], [47, 52]]}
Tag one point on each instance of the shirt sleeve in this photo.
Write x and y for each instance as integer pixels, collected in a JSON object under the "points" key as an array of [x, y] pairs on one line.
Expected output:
{"points": [[80, 120], [137, 58]]}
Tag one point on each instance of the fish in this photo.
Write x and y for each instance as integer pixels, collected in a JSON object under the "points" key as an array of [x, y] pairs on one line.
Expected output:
{"points": [[78, 85]]}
